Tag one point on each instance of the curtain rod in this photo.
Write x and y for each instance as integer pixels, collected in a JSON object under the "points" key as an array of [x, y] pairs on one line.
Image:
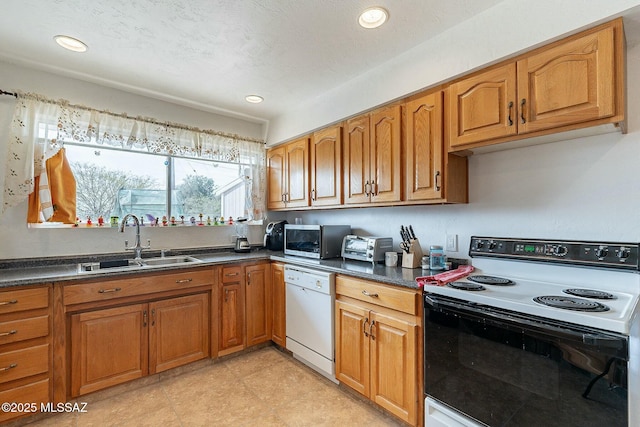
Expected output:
{"points": [[126, 116]]}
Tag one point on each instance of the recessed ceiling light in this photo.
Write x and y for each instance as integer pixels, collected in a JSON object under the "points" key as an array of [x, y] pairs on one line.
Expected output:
{"points": [[254, 99], [373, 17], [70, 43]]}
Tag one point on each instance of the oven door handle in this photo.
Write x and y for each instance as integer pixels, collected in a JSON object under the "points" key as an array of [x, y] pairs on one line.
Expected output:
{"points": [[589, 337]]}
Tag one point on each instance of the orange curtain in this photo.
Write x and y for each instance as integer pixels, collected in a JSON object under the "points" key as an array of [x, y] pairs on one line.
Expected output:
{"points": [[60, 184]]}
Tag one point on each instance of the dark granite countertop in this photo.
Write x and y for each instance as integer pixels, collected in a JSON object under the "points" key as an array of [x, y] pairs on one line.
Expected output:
{"points": [[30, 271]]}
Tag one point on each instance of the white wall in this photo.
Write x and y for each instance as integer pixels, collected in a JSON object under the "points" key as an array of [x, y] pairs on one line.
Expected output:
{"points": [[17, 241]]}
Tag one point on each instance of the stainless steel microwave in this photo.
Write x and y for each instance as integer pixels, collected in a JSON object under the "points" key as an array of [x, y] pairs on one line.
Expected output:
{"points": [[314, 241]]}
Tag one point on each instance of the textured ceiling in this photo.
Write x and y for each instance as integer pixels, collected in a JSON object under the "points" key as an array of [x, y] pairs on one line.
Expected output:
{"points": [[209, 54]]}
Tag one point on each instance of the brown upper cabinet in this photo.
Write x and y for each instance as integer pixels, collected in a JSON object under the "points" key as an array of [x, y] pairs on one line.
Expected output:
{"points": [[326, 167], [431, 174], [288, 175], [371, 168], [570, 84]]}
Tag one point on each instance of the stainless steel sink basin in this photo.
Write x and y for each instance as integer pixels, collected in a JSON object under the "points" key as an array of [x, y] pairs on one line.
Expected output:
{"points": [[130, 264]]}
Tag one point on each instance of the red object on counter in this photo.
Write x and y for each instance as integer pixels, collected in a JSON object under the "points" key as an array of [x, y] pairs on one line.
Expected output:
{"points": [[446, 277]]}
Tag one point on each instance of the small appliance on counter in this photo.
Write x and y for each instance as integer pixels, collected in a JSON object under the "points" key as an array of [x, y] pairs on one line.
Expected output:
{"points": [[274, 236], [242, 243], [314, 241], [366, 248]]}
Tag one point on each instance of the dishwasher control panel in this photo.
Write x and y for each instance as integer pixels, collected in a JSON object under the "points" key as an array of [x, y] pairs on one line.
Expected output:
{"points": [[319, 281]]}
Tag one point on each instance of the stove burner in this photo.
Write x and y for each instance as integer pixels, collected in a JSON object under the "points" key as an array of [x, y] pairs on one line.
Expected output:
{"points": [[589, 293], [570, 303], [491, 280], [466, 286]]}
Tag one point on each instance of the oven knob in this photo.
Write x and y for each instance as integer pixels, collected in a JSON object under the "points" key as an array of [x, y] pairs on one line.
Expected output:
{"points": [[492, 245], [479, 244], [602, 252], [560, 250], [623, 253]]}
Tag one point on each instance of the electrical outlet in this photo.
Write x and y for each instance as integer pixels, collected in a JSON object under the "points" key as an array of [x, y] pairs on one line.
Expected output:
{"points": [[452, 243]]}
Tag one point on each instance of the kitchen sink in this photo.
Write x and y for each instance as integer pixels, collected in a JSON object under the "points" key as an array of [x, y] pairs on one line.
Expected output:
{"points": [[130, 264]]}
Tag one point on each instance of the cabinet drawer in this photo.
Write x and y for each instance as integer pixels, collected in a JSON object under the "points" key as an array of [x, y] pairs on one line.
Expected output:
{"points": [[25, 299], [37, 393], [24, 329], [24, 363], [374, 293], [231, 274], [136, 285]]}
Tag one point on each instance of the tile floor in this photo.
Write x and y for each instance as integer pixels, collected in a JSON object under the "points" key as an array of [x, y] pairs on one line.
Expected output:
{"points": [[261, 388]]}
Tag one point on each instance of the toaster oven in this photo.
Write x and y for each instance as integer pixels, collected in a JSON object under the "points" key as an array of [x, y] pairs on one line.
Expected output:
{"points": [[368, 248]]}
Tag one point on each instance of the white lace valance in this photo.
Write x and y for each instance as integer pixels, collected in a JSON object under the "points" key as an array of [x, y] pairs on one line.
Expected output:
{"points": [[36, 119]]}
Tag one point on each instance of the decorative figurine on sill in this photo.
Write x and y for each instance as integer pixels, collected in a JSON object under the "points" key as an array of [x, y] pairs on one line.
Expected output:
{"points": [[173, 221], [89, 223], [164, 220], [215, 220], [157, 219], [100, 221], [77, 223], [200, 222], [192, 220], [230, 220], [181, 219], [221, 220]]}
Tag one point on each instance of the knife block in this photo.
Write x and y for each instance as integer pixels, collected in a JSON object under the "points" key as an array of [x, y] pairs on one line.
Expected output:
{"points": [[413, 259]]}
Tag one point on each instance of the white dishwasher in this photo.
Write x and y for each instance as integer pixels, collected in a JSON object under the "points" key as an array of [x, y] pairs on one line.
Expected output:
{"points": [[310, 296]]}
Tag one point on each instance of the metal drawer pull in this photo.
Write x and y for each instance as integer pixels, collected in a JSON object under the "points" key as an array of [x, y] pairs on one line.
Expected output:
{"points": [[365, 293], [4, 334], [231, 274], [184, 280], [104, 291], [364, 327], [13, 301], [6, 368]]}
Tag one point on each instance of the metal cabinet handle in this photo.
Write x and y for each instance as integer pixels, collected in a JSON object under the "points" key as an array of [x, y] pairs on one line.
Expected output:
{"points": [[13, 301], [437, 180], [6, 368], [184, 280], [367, 294], [249, 279], [153, 317], [364, 327], [373, 323], [144, 318], [105, 291], [509, 119], [366, 188], [522, 119], [5, 334], [231, 274], [313, 194], [373, 183], [226, 295]]}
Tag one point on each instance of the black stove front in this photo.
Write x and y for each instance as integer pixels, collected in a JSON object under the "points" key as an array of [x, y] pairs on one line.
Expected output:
{"points": [[503, 368]]}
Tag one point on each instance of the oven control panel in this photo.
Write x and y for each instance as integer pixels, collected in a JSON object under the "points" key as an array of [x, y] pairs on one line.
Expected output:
{"points": [[597, 254]]}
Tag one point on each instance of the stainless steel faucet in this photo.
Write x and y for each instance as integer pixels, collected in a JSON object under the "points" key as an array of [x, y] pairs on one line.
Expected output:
{"points": [[137, 249]]}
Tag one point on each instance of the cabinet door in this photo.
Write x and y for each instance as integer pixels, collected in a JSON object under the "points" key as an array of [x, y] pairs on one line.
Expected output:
{"points": [[297, 173], [278, 298], [326, 167], [108, 347], [394, 366], [483, 107], [231, 320], [276, 178], [356, 173], [571, 83], [386, 184], [424, 148], [179, 332], [352, 346], [258, 303]]}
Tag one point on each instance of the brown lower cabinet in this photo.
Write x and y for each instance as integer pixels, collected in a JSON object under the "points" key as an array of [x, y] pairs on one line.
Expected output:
{"points": [[377, 334], [114, 345], [278, 306]]}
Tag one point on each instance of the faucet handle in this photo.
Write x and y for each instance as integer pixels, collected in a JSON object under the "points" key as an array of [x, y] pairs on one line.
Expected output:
{"points": [[126, 244], [148, 244]]}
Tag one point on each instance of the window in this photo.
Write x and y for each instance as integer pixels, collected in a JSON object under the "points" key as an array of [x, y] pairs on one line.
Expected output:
{"points": [[114, 183]]}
